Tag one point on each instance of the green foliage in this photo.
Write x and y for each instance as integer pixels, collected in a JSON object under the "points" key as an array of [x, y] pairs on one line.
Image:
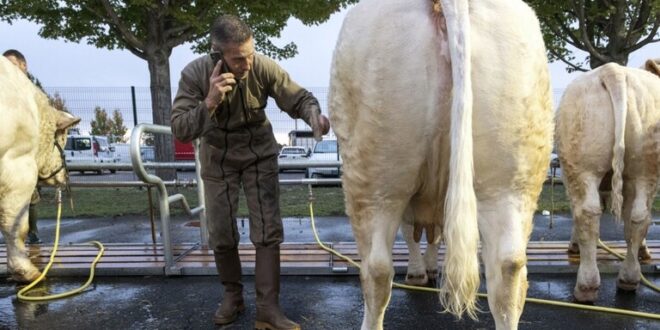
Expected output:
{"points": [[139, 25], [117, 128], [102, 125], [57, 102], [608, 31]]}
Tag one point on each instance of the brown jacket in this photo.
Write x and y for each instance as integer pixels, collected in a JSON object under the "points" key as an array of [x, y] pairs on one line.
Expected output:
{"points": [[241, 114]]}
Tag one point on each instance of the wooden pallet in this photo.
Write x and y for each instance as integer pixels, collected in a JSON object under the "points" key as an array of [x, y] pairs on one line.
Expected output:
{"points": [[296, 259]]}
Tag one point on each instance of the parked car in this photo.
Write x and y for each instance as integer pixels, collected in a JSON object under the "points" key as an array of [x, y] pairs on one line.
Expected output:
{"points": [[89, 149], [324, 151], [293, 154]]}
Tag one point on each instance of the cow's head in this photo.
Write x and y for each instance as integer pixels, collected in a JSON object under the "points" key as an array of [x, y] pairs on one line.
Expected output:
{"points": [[52, 170]]}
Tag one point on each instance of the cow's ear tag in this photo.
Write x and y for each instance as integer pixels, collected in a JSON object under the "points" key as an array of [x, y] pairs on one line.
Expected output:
{"points": [[66, 120]]}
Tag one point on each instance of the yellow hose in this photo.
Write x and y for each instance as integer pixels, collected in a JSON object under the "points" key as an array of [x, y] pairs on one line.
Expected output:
{"points": [[21, 293], [483, 295]]}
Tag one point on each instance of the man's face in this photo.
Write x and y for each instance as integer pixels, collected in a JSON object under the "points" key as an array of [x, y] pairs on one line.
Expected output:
{"points": [[20, 64], [238, 57]]}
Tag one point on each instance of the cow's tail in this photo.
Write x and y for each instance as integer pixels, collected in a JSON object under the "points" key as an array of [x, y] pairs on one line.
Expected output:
{"points": [[614, 80], [460, 275]]}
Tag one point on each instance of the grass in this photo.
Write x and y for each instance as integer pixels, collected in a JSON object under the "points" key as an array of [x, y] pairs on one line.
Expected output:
{"points": [[117, 202]]}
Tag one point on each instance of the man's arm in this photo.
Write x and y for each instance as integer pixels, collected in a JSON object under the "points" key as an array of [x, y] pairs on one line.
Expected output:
{"points": [[189, 111], [296, 101]]}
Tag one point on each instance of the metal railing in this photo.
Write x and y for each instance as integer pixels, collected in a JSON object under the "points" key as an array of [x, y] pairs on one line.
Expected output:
{"points": [[164, 200]]}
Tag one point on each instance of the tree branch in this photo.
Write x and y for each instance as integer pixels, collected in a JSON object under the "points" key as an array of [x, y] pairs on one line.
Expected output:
{"points": [[125, 32], [649, 38], [561, 58], [570, 38], [579, 6]]}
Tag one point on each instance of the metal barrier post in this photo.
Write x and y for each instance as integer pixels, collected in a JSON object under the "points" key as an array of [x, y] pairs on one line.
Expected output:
{"points": [[203, 228], [163, 199]]}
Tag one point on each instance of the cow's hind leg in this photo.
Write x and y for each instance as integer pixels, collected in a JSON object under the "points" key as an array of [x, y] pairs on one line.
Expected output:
{"points": [[637, 218], [375, 234], [586, 213], [504, 229]]}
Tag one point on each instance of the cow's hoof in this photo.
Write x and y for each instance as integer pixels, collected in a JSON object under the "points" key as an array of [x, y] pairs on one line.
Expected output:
{"points": [[585, 295], [644, 253], [417, 279], [626, 286], [574, 248], [26, 276]]}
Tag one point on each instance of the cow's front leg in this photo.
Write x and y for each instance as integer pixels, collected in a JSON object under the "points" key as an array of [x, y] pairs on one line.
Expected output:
{"points": [[14, 228], [637, 218], [431, 262], [416, 274]]}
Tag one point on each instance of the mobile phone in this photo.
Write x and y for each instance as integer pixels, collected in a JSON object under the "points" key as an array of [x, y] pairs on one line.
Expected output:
{"points": [[217, 56]]}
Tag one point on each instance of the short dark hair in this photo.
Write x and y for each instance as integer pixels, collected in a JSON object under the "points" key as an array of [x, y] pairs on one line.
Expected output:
{"points": [[228, 29], [13, 52]]}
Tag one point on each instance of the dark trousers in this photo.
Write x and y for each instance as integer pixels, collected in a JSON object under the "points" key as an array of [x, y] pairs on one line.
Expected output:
{"points": [[259, 180]]}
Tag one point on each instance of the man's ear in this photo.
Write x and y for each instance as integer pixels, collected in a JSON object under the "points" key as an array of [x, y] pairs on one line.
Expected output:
{"points": [[66, 120]]}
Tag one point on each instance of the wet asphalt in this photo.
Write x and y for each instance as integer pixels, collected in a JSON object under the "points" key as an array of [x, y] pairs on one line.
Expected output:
{"points": [[316, 302]]}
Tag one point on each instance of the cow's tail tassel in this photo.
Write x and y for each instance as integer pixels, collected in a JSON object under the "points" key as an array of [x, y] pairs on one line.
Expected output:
{"points": [[615, 83], [460, 275]]}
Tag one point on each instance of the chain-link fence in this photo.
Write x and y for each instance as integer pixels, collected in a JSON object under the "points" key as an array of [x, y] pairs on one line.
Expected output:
{"points": [[134, 104]]}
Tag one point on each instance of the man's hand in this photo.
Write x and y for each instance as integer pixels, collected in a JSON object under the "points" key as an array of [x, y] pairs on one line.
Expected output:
{"points": [[320, 125], [219, 85]]}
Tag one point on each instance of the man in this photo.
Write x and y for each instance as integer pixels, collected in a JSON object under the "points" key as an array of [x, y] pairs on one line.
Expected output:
{"points": [[223, 102], [19, 60]]}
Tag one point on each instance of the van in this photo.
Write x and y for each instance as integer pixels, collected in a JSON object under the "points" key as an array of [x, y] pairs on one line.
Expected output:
{"points": [[324, 151], [85, 149], [292, 154]]}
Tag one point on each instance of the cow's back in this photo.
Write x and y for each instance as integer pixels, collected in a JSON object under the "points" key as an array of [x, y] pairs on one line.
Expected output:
{"points": [[512, 99], [395, 96], [392, 79], [586, 121]]}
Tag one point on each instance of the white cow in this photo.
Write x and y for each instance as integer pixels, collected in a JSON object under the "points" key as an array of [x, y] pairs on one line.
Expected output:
{"points": [[32, 134], [466, 165], [609, 120]]}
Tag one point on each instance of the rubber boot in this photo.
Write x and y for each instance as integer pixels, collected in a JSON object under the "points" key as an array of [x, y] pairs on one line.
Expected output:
{"points": [[33, 232], [229, 269], [267, 285]]}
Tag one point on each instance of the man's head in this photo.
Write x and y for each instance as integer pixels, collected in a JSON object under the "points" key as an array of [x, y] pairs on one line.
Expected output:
{"points": [[233, 38], [17, 58]]}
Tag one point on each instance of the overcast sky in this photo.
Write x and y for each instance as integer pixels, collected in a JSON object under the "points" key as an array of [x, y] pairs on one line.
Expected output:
{"points": [[63, 64]]}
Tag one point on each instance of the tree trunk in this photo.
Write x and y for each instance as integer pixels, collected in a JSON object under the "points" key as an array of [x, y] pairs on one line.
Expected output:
{"points": [[161, 105], [619, 57]]}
